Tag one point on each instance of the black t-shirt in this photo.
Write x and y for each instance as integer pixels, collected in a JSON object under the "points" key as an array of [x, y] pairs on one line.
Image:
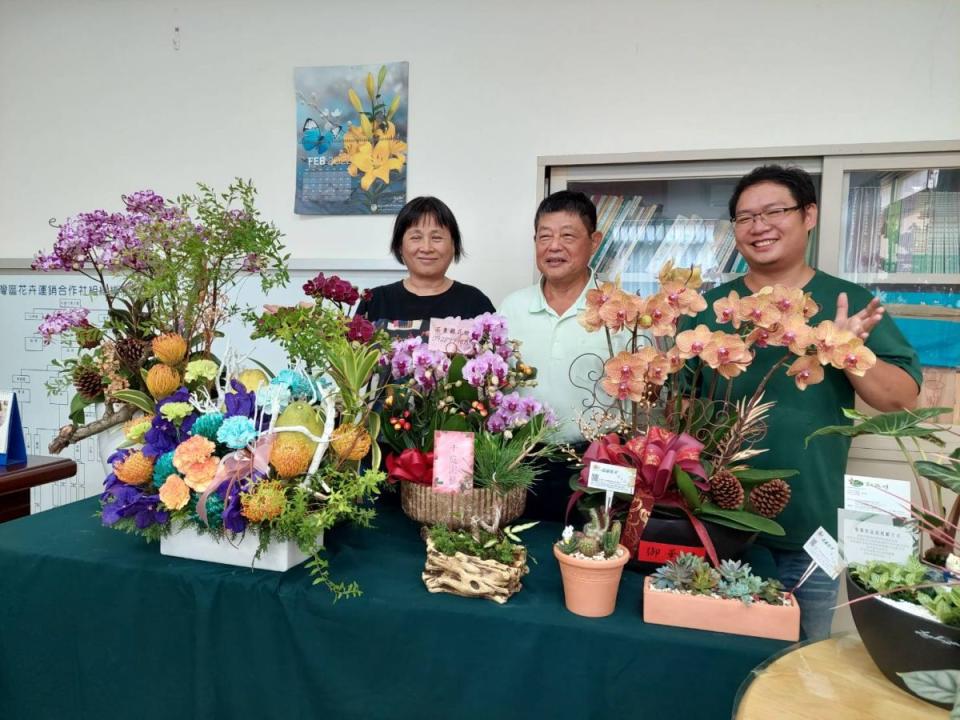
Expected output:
{"points": [[402, 312]]}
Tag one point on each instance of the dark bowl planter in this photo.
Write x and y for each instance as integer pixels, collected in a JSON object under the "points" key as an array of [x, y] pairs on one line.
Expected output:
{"points": [[730, 544], [900, 642]]}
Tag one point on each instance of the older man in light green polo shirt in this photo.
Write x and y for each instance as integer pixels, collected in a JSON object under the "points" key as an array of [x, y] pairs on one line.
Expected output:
{"points": [[544, 318]]}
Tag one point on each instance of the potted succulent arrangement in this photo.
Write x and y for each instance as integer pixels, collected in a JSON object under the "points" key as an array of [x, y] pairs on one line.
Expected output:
{"points": [[692, 449], [164, 269], [908, 614], [473, 389], [484, 561], [232, 466], [688, 592], [591, 565]]}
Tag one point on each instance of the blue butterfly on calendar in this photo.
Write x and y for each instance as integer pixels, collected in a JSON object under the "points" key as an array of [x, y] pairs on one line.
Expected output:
{"points": [[319, 137]]}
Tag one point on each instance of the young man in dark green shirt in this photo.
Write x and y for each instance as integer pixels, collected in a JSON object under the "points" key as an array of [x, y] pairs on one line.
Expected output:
{"points": [[773, 210]]}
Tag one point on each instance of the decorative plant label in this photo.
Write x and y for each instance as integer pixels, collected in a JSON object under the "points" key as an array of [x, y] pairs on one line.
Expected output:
{"points": [[452, 461], [450, 335], [872, 495], [612, 478], [869, 536], [654, 552], [825, 552]]}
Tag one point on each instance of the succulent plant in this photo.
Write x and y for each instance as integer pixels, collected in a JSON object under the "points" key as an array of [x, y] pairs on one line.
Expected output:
{"points": [[599, 534], [732, 580]]}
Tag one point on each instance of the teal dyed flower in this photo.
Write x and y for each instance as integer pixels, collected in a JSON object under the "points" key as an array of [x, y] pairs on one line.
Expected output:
{"points": [[299, 385], [267, 395], [176, 411], [208, 425], [214, 512], [237, 432], [201, 370], [163, 468]]}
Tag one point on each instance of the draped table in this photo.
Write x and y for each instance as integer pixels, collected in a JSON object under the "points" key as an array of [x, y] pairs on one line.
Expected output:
{"points": [[95, 623]]}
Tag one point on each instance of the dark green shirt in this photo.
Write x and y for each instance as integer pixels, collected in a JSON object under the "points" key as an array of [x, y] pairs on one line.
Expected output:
{"points": [[817, 491]]}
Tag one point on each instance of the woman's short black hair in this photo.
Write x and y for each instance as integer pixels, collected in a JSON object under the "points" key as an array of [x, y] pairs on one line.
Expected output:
{"points": [[797, 181], [417, 209]]}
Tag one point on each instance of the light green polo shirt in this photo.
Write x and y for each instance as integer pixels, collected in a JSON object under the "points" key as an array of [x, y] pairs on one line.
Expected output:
{"points": [[562, 351]]}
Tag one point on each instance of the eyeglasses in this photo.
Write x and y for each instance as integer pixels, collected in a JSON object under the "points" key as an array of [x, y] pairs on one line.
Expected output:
{"points": [[769, 217]]}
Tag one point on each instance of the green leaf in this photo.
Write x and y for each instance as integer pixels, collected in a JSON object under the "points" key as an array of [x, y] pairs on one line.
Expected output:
{"points": [[750, 477], [741, 520], [454, 422], [685, 484], [523, 526], [942, 686], [373, 427], [138, 399], [904, 423], [853, 414], [381, 76], [466, 393], [77, 404], [943, 475]]}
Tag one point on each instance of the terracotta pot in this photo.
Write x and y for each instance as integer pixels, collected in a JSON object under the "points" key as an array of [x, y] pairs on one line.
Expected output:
{"points": [[702, 612], [590, 586], [900, 642]]}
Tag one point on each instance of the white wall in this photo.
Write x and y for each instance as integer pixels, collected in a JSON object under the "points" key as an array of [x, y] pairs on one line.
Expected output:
{"points": [[95, 101]]}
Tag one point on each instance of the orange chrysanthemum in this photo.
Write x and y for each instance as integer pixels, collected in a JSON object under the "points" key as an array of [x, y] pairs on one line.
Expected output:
{"points": [[196, 449], [136, 469], [199, 475], [174, 492]]}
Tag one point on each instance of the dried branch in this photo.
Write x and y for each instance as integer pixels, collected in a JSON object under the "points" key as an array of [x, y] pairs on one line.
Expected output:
{"points": [[72, 434]]}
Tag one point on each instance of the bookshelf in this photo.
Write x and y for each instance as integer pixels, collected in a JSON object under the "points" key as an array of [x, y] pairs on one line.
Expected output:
{"points": [[889, 220]]}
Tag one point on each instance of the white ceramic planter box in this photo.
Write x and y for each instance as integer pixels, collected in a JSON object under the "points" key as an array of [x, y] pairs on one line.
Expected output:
{"points": [[239, 550]]}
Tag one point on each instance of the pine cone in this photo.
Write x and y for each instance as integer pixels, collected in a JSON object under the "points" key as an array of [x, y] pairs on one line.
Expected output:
{"points": [[88, 382], [131, 352], [726, 490], [770, 498]]}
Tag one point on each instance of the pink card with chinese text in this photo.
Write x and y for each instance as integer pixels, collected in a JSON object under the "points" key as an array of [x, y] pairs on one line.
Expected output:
{"points": [[450, 335], [452, 461]]}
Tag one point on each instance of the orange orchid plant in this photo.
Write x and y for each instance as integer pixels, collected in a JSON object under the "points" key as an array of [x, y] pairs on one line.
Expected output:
{"points": [[690, 448]]}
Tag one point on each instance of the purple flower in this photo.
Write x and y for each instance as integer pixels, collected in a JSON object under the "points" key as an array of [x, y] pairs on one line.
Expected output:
{"points": [[232, 519], [332, 288], [240, 402], [496, 423], [61, 320], [252, 263], [163, 435], [124, 501], [401, 365], [145, 202]]}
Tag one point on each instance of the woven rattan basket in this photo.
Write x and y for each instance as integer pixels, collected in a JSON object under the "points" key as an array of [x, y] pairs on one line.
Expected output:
{"points": [[455, 510]]}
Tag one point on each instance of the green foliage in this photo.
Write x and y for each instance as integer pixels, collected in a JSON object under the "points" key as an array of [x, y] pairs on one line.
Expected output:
{"points": [[944, 602], [882, 577], [740, 520], [599, 535], [904, 423], [484, 545], [939, 686], [733, 580]]}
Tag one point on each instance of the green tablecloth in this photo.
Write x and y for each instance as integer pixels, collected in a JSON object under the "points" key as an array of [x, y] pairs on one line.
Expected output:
{"points": [[97, 624]]}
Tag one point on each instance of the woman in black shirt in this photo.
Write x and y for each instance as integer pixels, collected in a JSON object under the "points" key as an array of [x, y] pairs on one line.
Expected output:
{"points": [[426, 239]]}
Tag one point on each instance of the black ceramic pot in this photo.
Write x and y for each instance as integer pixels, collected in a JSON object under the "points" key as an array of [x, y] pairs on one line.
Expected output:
{"points": [[677, 531], [898, 641]]}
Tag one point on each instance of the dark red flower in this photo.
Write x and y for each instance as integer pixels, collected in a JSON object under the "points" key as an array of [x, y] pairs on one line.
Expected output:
{"points": [[410, 466], [360, 329]]}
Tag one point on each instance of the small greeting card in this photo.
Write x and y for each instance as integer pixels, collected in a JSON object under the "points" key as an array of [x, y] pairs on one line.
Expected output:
{"points": [[869, 536], [872, 494], [452, 461], [13, 450], [450, 335]]}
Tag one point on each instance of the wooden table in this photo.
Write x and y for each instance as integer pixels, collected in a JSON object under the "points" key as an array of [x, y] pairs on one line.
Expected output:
{"points": [[833, 679], [16, 481]]}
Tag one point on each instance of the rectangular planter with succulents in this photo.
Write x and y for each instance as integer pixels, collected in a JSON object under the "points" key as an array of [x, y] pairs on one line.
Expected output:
{"points": [[186, 542], [688, 592]]}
